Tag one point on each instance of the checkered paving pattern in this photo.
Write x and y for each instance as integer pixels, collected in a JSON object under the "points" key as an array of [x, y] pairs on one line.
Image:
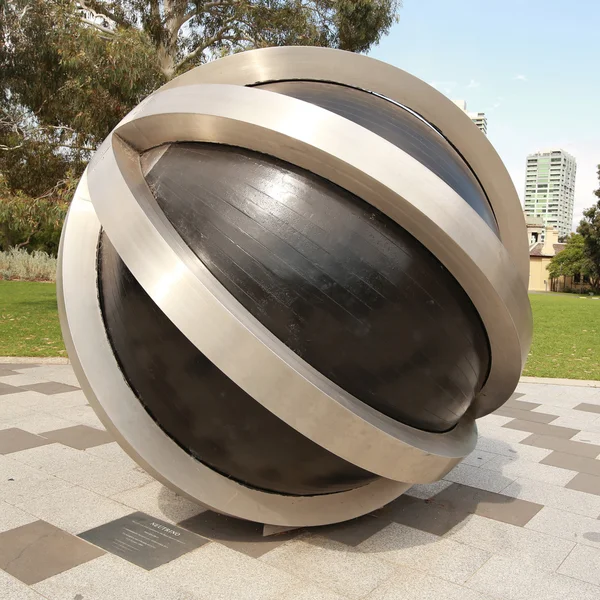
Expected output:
{"points": [[519, 519]]}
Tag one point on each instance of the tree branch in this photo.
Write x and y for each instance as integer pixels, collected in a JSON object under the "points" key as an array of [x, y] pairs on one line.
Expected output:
{"points": [[101, 9]]}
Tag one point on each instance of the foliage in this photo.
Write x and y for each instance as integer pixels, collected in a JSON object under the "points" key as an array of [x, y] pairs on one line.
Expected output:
{"points": [[589, 229], [33, 222], [29, 319], [566, 337], [72, 70], [27, 266], [573, 260]]}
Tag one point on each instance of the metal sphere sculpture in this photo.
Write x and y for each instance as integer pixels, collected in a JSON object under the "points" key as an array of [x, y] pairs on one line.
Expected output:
{"points": [[291, 280]]}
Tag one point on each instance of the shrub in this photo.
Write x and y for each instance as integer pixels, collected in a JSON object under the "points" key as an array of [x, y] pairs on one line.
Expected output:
{"points": [[20, 264]]}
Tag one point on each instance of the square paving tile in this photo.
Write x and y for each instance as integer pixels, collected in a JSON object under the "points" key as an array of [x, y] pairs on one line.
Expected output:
{"points": [[487, 504], [542, 428], [15, 440], [581, 464], [526, 415], [592, 408], [243, 536], [144, 540], [5, 388], [80, 437], [583, 482], [50, 387], [583, 563], [561, 445], [38, 550]]}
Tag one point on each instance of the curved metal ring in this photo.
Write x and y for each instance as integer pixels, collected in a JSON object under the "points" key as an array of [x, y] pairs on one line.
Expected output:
{"points": [[342, 152], [362, 72], [121, 412]]}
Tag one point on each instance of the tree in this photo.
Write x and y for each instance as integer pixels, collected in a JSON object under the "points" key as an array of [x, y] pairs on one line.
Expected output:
{"points": [[573, 261], [589, 229], [71, 70]]}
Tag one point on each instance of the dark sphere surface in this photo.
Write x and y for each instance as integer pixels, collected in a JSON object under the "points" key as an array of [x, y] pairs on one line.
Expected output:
{"points": [[199, 407], [342, 285]]}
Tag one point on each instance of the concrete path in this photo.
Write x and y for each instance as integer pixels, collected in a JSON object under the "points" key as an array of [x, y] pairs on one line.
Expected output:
{"points": [[518, 520]]}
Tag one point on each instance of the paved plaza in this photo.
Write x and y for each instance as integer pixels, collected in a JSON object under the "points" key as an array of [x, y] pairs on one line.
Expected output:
{"points": [[519, 519]]}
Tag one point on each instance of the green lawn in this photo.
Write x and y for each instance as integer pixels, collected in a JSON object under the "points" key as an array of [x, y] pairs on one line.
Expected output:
{"points": [[566, 339], [29, 319]]}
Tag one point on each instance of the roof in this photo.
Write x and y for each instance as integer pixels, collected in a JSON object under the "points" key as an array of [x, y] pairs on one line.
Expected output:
{"points": [[536, 249]]}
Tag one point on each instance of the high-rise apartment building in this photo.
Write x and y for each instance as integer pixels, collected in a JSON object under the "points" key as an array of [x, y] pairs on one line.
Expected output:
{"points": [[550, 188], [478, 118]]}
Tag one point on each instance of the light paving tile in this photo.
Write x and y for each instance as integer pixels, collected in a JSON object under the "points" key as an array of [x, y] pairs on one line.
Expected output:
{"points": [[526, 546], [74, 509], [583, 563], [19, 482], [515, 468], [215, 572], [59, 402], [112, 452], [554, 496], [589, 437], [309, 591], [567, 525], [477, 458], [11, 517], [16, 406], [409, 584], [502, 435], [109, 578], [494, 420], [21, 379], [511, 449], [53, 458], [13, 589], [80, 415], [60, 373], [510, 579], [428, 490], [328, 564], [105, 478], [484, 479], [157, 500], [416, 549], [576, 422], [38, 422]]}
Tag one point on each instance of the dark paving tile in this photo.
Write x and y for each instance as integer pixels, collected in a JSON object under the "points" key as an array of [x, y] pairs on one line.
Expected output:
{"points": [[515, 396], [7, 372], [426, 515], [521, 404], [562, 445], [19, 366], [542, 428], [243, 536], [353, 532], [80, 437], [38, 550], [526, 415], [9, 389], [50, 387], [487, 504], [593, 408], [584, 482], [581, 464], [15, 440], [144, 540]]}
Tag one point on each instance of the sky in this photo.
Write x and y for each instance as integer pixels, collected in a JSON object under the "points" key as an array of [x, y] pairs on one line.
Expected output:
{"points": [[532, 66]]}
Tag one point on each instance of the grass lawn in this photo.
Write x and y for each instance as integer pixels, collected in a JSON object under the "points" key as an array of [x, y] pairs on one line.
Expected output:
{"points": [[566, 338], [29, 319]]}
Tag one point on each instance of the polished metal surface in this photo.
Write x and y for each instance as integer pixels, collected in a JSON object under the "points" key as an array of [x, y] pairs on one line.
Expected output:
{"points": [[490, 270]]}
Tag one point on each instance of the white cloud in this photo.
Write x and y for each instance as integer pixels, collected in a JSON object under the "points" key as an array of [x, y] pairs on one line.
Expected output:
{"points": [[520, 77], [473, 84]]}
